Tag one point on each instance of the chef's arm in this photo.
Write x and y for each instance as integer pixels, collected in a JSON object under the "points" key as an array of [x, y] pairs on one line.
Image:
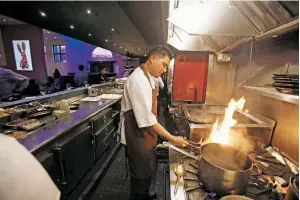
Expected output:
{"points": [[161, 131]]}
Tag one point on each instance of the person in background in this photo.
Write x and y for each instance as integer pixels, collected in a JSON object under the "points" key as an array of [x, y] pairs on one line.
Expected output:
{"points": [[128, 70], [11, 82], [139, 125], [80, 77], [102, 75], [22, 175], [56, 76], [158, 83]]}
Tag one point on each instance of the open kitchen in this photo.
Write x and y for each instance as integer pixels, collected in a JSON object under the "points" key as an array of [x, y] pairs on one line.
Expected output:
{"points": [[229, 92]]}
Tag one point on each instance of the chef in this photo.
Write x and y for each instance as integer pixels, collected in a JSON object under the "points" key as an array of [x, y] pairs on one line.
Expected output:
{"points": [[140, 127]]}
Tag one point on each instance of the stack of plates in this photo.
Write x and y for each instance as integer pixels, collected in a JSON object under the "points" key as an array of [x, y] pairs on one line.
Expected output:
{"points": [[286, 83]]}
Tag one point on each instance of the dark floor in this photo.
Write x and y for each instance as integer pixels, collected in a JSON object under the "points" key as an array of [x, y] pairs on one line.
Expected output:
{"points": [[114, 185]]}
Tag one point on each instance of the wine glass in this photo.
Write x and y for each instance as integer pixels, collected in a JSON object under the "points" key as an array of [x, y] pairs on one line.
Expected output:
{"points": [[68, 86], [43, 90], [86, 84]]}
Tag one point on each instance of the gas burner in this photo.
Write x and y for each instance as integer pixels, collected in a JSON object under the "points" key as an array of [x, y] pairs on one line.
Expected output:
{"points": [[261, 185]]}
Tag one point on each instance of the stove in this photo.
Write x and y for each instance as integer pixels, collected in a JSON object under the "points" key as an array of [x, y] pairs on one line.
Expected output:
{"points": [[267, 186]]}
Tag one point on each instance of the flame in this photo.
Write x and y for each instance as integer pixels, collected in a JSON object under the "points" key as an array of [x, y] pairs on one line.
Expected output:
{"points": [[221, 134]]}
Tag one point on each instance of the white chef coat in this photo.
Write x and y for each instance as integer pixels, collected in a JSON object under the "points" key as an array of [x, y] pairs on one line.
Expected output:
{"points": [[158, 82], [137, 96], [22, 177]]}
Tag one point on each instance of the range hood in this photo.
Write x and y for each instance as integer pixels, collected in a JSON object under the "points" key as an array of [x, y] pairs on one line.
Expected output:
{"points": [[218, 26]]}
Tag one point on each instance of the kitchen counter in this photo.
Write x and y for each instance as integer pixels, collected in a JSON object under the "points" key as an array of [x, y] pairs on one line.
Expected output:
{"points": [[51, 131]]}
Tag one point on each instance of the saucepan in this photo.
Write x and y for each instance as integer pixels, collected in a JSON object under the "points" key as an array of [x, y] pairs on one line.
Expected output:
{"points": [[222, 169]]}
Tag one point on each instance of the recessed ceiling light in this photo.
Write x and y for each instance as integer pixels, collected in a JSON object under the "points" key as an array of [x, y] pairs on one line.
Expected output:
{"points": [[112, 29], [0, 56], [139, 49], [114, 44], [71, 26], [88, 11], [145, 55], [46, 38], [90, 34], [125, 49], [54, 38], [4, 20], [120, 47], [106, 40], [274, 36], [48, 32], [43, 14]]}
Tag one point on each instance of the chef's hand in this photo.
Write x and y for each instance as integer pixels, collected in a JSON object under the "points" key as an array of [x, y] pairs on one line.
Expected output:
{"points": [[180, 142]]}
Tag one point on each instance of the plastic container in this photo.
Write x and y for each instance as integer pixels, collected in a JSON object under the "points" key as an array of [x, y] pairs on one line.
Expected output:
{"points": [[65, 106]]}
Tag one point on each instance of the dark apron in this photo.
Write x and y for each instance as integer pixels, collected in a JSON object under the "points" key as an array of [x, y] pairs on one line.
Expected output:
{"points": [[140, 144]]}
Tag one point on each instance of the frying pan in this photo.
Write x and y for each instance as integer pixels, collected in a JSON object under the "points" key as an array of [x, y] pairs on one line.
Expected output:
{"points": [[286, 85], [287, 90]]}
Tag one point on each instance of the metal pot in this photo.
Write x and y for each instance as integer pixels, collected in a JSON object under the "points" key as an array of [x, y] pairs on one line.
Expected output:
{"points": [[293, 189], [235, 197], [224, 169]]}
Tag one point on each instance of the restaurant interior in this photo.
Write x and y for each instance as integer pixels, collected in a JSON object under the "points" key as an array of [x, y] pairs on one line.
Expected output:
{"points": [[231, 91]]}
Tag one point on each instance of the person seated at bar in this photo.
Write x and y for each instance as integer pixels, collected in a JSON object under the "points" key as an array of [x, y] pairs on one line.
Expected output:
{"points": [[80, 77], [102, 75], [22, 175], [56, 76], [11, 84]]}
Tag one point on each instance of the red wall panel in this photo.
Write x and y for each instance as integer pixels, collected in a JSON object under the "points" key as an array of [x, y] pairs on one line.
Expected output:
{"points": [[190, 77]]}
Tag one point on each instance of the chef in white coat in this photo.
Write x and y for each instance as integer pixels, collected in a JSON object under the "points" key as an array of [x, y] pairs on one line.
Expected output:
{"points": [[140, 127], [22, 177]]}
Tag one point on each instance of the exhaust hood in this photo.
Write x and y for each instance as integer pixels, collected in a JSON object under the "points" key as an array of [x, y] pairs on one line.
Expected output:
{"points": [[211, 18], [217, 26]]}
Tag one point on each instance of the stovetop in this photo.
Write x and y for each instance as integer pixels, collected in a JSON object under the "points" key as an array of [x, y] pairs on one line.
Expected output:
{"points": [[268, 185]]}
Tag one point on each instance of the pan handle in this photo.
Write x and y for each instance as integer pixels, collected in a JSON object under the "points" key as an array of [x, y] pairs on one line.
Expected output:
{"points": [[180, 150]]}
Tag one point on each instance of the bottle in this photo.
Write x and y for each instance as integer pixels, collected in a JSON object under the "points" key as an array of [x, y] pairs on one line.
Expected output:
{"points": [[90, 91]]}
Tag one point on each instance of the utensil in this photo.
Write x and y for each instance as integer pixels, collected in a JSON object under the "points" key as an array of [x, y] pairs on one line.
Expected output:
{"points": [[179, 171]]}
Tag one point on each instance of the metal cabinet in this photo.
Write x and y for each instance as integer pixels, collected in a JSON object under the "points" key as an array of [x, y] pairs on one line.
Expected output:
{"points": [[98, 121], [102, 138], [75, 156]]}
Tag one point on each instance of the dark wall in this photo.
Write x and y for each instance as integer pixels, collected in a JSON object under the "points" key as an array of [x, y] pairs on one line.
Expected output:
{"points": [[35, 36]]}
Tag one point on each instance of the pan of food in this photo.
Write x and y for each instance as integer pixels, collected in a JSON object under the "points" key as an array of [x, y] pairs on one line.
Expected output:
{"points": [[286, 85], [222, 168], [40, 114]]}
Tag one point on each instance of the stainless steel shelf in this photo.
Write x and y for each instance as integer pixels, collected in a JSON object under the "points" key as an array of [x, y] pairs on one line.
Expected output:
{"points": [[273, 93]]}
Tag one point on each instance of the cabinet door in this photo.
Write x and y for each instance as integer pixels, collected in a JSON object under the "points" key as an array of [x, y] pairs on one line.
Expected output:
{"points": [[190, 77], [101, 119], [77, 156], [100, 136]]}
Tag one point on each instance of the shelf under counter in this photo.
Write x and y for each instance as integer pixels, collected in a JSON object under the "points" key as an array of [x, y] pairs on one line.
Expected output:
{"points": [[273, 93]]}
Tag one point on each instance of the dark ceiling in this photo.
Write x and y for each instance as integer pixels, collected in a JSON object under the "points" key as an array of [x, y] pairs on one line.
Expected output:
{"points": [[137, 25]]}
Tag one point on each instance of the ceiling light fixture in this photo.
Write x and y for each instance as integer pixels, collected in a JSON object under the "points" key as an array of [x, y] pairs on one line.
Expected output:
{"points": [[54, 38], [4, 20], [125, 49], [43, 14], [72, 27], [106, 40], [90, 34], [274, 36], [0, 56], [120, 47], [139, 49], [112, 29], [88, 11], [114, 44], [145, 55], [46, 38], [48, 32]]}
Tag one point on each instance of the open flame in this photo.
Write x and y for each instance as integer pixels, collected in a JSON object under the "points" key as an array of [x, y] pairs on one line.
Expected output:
{"points": [[221, 134]]}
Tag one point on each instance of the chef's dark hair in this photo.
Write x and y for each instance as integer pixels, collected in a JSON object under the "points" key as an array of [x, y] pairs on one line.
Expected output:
{"points": [[81, 67], [161, 50]]}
